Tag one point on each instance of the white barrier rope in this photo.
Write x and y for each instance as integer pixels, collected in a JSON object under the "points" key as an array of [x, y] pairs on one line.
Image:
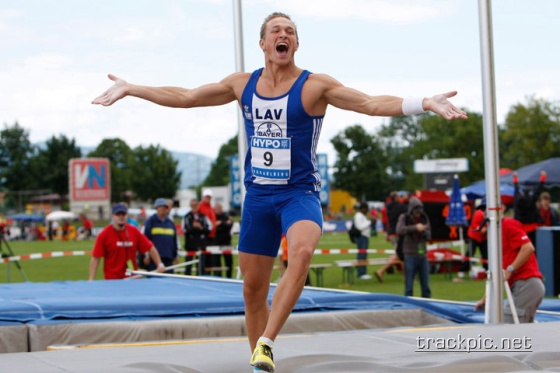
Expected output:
{"points": [[233, 251], [53, 254]]}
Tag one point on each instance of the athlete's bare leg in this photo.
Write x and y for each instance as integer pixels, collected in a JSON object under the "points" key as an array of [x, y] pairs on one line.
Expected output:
{"points": [[256, 270], [303, 238]]}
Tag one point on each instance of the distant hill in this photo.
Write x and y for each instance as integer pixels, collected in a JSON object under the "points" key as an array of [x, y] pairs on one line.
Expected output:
{"points": [[194, 168]]}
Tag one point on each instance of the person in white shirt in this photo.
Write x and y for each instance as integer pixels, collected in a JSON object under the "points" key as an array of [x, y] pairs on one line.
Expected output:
{"points": [[363, 224]]}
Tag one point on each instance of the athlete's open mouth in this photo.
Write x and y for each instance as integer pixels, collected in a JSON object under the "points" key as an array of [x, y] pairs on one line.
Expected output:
{"points": [[282, 48]]}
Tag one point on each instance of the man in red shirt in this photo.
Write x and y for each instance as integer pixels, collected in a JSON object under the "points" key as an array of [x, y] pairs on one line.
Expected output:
{"points": [[118, 244], [205, 207], [478, 235], [87, 226], [521, 271]]}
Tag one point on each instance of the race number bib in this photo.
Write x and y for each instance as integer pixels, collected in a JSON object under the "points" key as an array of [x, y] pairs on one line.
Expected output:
{"points": [[271, 159]]}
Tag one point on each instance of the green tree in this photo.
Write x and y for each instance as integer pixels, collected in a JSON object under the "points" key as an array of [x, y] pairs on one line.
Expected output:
{"points": [[219, 173], [120, 157], [51, 163], [360, 164], [531, 133], [460, 138], [15, 153], [154, 173], [398, 139], [408, 138]]}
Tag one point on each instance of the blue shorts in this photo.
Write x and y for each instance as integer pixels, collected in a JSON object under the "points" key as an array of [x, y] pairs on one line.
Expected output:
{"points": [[270, 211]]}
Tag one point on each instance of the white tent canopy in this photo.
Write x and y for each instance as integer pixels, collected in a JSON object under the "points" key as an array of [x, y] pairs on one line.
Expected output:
{"points": [[60, 215]]}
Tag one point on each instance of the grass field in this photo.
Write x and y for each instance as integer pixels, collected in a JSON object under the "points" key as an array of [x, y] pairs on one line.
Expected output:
{"points": [[76, 268]]}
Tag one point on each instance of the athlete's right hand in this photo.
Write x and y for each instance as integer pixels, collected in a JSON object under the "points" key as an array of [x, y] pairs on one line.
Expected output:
{"points": [[113, 94]]}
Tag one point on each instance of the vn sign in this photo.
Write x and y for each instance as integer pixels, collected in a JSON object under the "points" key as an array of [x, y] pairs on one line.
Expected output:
{"points": [[89, 179]]}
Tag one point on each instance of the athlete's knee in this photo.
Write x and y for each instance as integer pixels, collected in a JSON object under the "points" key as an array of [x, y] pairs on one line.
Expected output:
{"points": [[255, 291], [255, 280], [301, 253]]}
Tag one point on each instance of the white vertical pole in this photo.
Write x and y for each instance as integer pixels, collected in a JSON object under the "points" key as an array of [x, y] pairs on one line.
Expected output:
{"points": [[511, 303], [491, 166], [240, 67]]}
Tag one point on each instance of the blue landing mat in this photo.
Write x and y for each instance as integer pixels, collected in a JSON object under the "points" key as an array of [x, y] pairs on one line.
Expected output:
{"points": [[190, 297]]}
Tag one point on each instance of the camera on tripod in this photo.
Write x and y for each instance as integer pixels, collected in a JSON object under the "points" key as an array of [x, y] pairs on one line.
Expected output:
{"points": [[8, 253]]}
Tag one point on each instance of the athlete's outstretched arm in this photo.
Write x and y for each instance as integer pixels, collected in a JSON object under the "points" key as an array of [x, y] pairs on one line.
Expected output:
{"points": [[207, 95], [351, 99]]}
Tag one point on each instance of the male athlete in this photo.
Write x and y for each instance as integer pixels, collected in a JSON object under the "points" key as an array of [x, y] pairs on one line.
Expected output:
{"points": [[283, 106]]}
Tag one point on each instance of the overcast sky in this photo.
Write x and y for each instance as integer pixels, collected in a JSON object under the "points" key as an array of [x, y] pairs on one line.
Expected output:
{"points": [[55, 56]]}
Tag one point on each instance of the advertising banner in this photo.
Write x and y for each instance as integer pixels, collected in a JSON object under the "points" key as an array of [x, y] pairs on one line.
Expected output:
{"points": [[324, 172], [235, 181], [89, 179]]}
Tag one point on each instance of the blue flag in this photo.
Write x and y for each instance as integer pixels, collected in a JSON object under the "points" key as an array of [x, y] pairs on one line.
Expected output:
{"points": [[456, 215]]}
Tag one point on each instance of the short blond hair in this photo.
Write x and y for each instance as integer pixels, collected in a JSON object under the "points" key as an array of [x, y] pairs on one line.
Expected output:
{"points": [[270, 17]]}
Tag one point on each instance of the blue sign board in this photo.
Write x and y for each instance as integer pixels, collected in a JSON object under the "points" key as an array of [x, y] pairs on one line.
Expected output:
{"points": [[324, 172], [235, 181]]}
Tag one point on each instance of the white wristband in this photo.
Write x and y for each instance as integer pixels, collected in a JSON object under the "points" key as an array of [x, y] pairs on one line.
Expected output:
{"points": [[412, 105], [161, 265]]}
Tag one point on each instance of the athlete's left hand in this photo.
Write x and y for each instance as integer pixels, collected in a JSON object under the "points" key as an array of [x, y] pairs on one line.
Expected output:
{"points": [[440, 105], [113, 94]]}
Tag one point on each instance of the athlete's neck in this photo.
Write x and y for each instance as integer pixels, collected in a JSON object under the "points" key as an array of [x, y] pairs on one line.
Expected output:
{"points": [[276, 82], [277, 75]]}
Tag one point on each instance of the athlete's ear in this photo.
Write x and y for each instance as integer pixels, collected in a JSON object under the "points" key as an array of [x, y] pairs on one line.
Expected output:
{"points": [[261, 44]]}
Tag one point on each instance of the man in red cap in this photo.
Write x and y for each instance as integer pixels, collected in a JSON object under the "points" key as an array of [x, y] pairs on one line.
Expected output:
{"points": [[118, 245]]}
